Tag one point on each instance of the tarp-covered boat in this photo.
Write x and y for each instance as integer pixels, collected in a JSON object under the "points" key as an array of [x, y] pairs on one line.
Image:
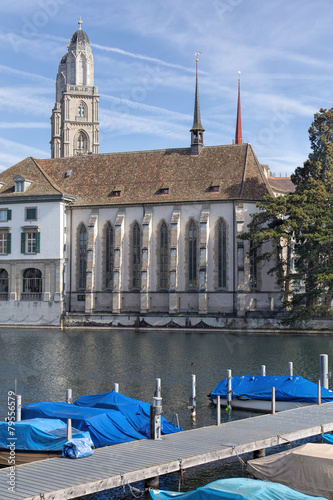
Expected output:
{"points": [[307, 468], [106, 427], [236, 489], [254, 392], [34, 439], [136, 412]]}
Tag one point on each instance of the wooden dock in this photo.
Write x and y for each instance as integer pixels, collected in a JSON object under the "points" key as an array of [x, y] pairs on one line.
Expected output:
{"points": [[60, 478]]}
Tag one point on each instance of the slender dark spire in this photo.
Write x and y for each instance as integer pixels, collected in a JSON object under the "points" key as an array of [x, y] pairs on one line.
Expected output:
{"points": [[238, 136], [197, 129]]}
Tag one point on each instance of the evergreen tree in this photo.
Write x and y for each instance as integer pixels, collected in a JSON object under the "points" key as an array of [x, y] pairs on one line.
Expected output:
{"points": [[299, 227]]}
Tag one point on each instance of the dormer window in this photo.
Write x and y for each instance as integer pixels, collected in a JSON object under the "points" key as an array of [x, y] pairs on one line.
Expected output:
{"points": [[214, 189], [165, 191], [21, 184], [116, 194]]}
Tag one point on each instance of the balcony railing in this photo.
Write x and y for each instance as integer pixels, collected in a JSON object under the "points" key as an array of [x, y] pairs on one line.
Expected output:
{"points": [[3, 296], [31, 296]]}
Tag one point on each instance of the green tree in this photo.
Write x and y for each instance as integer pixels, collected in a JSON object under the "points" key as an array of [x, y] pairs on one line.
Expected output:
{"points": [[298, 228]]}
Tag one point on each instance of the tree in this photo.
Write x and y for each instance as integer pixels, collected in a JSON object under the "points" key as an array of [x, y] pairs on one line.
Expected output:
{"points": [[299, 228]]}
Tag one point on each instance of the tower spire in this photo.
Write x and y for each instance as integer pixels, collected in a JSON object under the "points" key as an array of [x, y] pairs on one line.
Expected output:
{"points": [[238, 136], [197, 129]]}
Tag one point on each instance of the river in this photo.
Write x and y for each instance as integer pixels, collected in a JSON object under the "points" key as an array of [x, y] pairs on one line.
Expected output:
{"points": [[46, 362]]}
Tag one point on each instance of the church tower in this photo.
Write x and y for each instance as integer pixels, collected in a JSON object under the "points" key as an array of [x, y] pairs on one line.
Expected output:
{"points": [[197, 129], [74, 120]]}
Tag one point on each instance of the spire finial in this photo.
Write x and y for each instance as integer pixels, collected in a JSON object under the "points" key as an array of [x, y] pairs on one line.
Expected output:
{"points": [[238, 136], [79, 22], [197, 129]]}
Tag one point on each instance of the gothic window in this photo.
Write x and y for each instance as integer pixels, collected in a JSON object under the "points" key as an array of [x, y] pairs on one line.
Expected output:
{"points": [[221, 254], [192, 255], [109, 248], [81, 110], [163, 256], [81, 142], [253, 268], [82, 256], [3, 284], [136, 256], [32, 284]]}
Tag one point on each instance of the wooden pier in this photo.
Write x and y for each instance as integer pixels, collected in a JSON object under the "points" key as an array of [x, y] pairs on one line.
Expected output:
{"points": [[109, 467]]}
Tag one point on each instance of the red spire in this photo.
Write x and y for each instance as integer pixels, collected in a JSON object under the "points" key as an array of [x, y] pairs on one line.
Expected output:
{"points": [[238, 138]]}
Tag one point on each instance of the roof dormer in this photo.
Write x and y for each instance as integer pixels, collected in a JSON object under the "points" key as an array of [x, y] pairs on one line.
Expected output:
{"points": [[21, 184]]}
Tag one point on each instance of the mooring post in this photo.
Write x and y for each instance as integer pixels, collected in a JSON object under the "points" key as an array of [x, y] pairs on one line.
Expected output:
{"points": [[158, 388], [319, 392], [291, 369], [324, 370], [273, 401], [155, 413], [153, 483], [229, 391], [218, 410], [116, 387], [193, 398], [69, 421], [18, 406], [263, 370]]}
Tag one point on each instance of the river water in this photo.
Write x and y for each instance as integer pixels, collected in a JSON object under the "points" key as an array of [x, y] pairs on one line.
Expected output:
{"points": [[45, 362]]}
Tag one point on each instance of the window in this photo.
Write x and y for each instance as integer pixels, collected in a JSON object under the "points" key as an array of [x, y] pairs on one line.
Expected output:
{"points": [[109, 248], [215, 189], [116, 194], [30, 242], [164, 256], [5, 242], [21, 184], [32, 284], [31, 213], [136, 256], [222, 254], [5, 214], [81, 111], [240, 264], [253, 267], [165, 191], [3, 284], [19, 187], [192, 255], [82, 256]]}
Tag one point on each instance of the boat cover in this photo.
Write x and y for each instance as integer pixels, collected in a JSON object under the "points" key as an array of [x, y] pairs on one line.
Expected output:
{"points": [[236, 489], [106, 427], [286, 389], [38, 434], [328, 438], [136, 412], [307, 468]]}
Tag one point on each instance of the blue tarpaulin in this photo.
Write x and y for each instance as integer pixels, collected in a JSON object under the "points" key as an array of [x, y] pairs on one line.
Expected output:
{"points": [[286, 389], [38, 434], [328, 438], [137, 412], [236, 489], [106, 427], [78, 448]]}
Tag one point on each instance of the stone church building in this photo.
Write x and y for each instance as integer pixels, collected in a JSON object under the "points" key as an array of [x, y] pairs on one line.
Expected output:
{"points": [[145, 237]]}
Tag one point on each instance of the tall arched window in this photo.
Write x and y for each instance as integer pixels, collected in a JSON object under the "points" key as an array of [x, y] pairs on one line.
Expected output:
{"points": [[164, 256], [32, 284], [109, 248], [82, 256], [81, 142], [136, 256], [3, 284], [192, 255], [81, 110], [221, 254]]}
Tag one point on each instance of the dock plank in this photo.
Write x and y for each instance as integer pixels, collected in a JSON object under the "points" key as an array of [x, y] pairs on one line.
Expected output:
{"points": [[109, 467]]}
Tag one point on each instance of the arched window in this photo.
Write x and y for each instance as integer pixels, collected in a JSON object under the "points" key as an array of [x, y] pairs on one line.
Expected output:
{"points": [[109, 248], [192, 255], [253, 267], [82, 256], [3, 284], [221, 254], [164, 256], [81, 110], [32, 284], [81, 142], [136, 256]]}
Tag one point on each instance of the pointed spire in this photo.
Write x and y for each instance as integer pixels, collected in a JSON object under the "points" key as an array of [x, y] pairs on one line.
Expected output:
{"points": [[238, 137], [197, 129]]}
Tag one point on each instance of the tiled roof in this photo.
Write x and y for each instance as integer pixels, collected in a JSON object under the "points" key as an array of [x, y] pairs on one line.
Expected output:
{"points": [[281, 184], [141, 175]]}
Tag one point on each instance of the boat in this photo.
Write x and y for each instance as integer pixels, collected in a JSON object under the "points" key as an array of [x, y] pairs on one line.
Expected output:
{"points": [[34, 439], [254, 392], [236, 489], [136, 412], [306, 468]]}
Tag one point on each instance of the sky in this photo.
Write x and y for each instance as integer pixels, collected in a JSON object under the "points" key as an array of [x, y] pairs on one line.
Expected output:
{"points": [[144, 56]]}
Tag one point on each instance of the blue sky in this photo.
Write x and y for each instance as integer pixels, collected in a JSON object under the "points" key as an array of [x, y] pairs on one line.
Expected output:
{"points": [[145, 72]]}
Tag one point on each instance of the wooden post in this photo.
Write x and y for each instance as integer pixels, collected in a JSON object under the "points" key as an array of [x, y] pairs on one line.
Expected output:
{"points": [[17, 407], [324, 370], [319, 392], [116, 387], [218, 409], [273, 401], [229, 391], [291, 369], [193, 398], [263, 370]]}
